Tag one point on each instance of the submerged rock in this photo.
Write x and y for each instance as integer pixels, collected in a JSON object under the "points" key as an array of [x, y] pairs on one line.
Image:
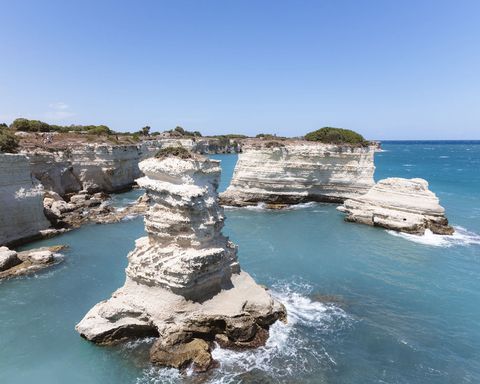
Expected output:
{"points": [[405, 205], [184, 283], [291, 172]]}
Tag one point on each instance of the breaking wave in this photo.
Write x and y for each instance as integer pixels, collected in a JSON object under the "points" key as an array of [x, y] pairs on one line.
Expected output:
{"points": [[263, 207], [461, 237], [291, 348]]}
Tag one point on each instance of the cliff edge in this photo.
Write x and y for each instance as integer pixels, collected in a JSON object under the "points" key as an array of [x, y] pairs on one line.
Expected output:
{"points": [[291, 172]]}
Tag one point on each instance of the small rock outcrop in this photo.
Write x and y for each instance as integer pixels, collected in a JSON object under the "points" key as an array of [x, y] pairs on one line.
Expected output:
{"points": [[21, 196], [14, 264], [405, 205], [291, 172], [183, 281]]}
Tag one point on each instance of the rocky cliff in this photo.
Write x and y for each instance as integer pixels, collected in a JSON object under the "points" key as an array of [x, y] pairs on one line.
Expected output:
{"points": [[405, 205], [102, 167], [292, 172], [91, 168], [21, 195], [183, 281]]}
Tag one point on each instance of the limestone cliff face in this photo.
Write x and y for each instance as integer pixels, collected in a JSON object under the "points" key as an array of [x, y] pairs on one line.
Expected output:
{"points": [[107, 168], [89, 167], [405, 205], [21, 195], [291, 172], [183, 281]]}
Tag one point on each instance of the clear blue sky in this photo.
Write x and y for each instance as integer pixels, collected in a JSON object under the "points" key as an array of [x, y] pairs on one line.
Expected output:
{"points": [[388, 69]]}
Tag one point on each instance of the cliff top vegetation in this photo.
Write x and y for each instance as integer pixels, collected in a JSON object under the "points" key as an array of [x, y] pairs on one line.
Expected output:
{"points": [[180, 132], [333, 135], [8, 141], [26, 125], [178, 151]]}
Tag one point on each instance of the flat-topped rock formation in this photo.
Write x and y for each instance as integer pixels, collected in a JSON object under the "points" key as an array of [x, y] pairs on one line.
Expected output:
{"points": [[291, 172], [183, 281], [14, 264], [405, 205], [21, 196]]}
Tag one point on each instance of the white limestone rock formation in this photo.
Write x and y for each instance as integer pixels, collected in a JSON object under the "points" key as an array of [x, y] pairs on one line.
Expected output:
{"points": [[183, 281], [21, 200], [291, 172], [101, 167], [15, 264], [405, 205]]}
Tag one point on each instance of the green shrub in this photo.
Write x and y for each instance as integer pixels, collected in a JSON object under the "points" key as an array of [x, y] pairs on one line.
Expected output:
{"points": [[8, 141], [27, 125], [231, 136], [274, 144], [179, 151], [179, 131], [100, 130], [335, 136]]}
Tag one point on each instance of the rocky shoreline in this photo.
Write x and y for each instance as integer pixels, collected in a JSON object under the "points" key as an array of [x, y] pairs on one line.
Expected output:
{"points": [[48, 190], [184, 284], [15, 264]]}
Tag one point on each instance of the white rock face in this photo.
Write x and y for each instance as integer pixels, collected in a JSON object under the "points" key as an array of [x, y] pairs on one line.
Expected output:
{"points": [[108, 168], [8, 259], [88, 167], [292, 172], [21, 195], [183, 279], [405, 205], [41, 257]]}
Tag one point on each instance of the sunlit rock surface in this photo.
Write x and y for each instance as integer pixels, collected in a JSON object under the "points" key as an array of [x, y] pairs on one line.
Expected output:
{"points": [[21, 196], [405, 205], [290, 172], [183, 280]]}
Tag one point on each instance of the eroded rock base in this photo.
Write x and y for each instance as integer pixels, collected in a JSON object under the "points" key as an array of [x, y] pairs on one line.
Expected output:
{"points": [[238, 318]]}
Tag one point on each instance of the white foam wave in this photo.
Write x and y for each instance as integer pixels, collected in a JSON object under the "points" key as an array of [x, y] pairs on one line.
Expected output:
{"points": [[288, 350], [258, 207], [461, 237], [263, 207], [301, 206], [130, 216]]}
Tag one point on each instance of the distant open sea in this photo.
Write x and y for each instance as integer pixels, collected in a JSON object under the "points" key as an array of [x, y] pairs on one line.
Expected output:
{"points": [[365, 305]]}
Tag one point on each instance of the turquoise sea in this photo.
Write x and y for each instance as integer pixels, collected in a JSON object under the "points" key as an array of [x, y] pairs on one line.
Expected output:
{"points": [[365, 305]]}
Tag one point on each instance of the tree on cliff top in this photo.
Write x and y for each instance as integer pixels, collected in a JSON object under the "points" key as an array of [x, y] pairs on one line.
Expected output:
{"points": [[180, 132], [335, 136], [8, 141], [145, 130]]}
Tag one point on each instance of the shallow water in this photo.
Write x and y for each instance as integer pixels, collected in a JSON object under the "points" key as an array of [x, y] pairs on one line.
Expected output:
{"points": [[365, 305]]}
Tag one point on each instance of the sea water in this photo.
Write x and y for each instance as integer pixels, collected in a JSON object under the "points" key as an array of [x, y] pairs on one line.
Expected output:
{"points": [[365, 305]]}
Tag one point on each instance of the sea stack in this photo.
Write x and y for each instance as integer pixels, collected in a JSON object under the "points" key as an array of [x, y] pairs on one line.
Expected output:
{"points": [[297, 171], [405, 205], [183, 281]]}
